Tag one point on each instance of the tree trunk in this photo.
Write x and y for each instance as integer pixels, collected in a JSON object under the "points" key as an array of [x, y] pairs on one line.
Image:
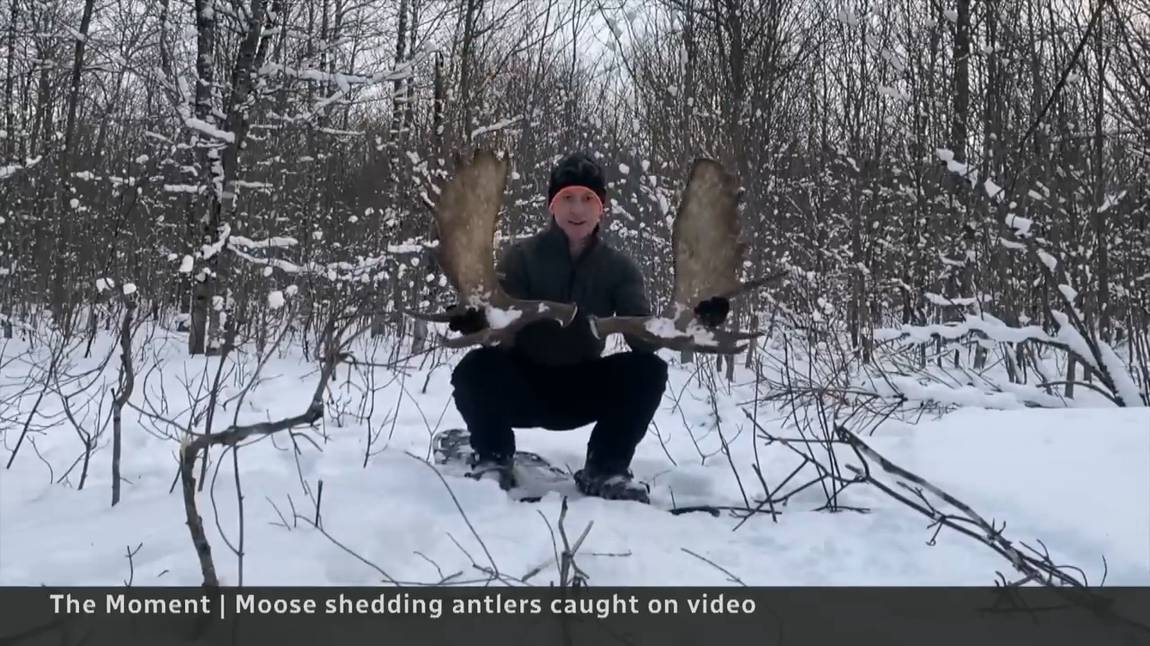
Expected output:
{"points": [[77, 69], [472, 8], [958, 125], [208, 225], [1101, 239], [9, 81]]}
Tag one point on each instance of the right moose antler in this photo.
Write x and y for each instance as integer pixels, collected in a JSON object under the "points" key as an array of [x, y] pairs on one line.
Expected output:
{"points": [[707, 258], [466, 216]]}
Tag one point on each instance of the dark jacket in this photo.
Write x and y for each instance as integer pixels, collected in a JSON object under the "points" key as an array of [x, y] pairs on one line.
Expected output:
{"points": [[602, 282]]}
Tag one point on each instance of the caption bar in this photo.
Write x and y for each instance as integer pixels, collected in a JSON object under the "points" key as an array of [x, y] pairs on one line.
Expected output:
{"points": [[236, 604]]}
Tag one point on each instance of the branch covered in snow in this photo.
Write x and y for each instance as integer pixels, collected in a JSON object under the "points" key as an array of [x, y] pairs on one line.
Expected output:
{"points": [[12, 169], [917, 493], [994, 396], [208, 129]]}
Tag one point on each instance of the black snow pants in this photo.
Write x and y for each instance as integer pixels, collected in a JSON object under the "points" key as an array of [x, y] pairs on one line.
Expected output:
{"points": [[497, 391]]}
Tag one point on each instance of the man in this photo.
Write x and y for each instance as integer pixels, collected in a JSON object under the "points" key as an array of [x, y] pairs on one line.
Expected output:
{"points": [[554, 377]]}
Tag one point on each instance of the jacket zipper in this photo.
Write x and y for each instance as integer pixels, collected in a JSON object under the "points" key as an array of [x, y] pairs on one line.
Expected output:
{"points": [[574, 273]]}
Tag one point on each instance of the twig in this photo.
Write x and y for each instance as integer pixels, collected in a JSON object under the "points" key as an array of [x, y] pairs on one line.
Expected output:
{"points": [[347, 549], [318, 502], [567, 562], [730, 577], [459, 507], [129, 552]]}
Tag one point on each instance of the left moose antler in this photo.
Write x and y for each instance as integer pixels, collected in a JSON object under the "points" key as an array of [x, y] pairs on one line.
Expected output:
{"points": [[466, 216], [706, 261]]}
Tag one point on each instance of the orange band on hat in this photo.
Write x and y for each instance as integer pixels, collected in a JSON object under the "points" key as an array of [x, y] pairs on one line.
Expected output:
{"points": [[575, 189]]}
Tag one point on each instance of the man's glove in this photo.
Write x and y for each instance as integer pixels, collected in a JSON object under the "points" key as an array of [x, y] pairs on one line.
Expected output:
{"points": [[713, 311], [470, 320]]}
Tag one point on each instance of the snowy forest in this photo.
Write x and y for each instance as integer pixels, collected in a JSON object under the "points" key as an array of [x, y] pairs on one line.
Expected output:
{"points": [[215, 216]]}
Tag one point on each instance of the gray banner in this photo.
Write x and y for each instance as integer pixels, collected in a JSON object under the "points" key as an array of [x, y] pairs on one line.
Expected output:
{"points": [[507, 616]]}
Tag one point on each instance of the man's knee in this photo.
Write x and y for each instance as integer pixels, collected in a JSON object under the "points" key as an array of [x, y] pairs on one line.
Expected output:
{"points": [[477, 366], [650, 364], [647, 370]]}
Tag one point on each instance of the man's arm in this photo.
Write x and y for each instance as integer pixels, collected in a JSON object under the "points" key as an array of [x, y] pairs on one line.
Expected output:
{"points": [[631, 300], [511, 271]]}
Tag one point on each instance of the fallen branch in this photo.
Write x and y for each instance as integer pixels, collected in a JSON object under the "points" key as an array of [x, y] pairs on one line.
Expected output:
{"points": [[233, 435], [1040, 568]]}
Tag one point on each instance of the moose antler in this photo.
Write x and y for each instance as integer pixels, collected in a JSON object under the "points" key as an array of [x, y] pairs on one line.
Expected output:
{"points": [[706, 262], [466, 216]]}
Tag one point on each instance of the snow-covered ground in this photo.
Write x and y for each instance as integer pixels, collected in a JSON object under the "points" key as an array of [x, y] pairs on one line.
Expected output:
{"points": [[1076, 479]]}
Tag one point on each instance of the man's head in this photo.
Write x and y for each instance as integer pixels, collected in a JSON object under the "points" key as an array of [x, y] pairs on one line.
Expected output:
{"points": [[576, 195]]}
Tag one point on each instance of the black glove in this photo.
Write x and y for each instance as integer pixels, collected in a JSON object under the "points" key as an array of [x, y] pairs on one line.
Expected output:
{"points": [[713, 311], [470, 320]]}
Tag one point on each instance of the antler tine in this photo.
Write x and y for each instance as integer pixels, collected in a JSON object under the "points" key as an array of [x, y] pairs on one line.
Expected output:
{"points": [[707, 258], [663, 333], [466, 218]]}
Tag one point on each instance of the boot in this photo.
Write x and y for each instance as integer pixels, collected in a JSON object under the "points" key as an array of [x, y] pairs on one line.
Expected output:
{"points": [[611, 485], [501, 469]]}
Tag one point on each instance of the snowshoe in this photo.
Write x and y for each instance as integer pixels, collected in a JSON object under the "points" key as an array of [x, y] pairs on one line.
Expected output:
{"points": [[526, 477]]}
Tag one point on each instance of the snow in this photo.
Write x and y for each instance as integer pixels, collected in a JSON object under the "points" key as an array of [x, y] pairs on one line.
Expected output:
{"points": [[997, 330], [1068, 292], [989, 326], [1010, 244], [662, 327], [343, 81], [129, 289], [1018, 223], [921, 390], [240, 183], [1076, 479], [1111, 201], [1074, 340], [501, 318], [275, 299], [1123, 381], [939, 299], [274, 241], [993, 190], [186, 265], [283, 265], [210, 250], [12, 169], [208, 129]]}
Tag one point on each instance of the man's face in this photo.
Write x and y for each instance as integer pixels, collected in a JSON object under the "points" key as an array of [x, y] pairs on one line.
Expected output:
{"points": [[577, 211]]}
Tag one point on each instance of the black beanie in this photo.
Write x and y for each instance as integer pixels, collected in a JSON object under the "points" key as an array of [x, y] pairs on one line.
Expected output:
{"points": [[577, 169]]}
